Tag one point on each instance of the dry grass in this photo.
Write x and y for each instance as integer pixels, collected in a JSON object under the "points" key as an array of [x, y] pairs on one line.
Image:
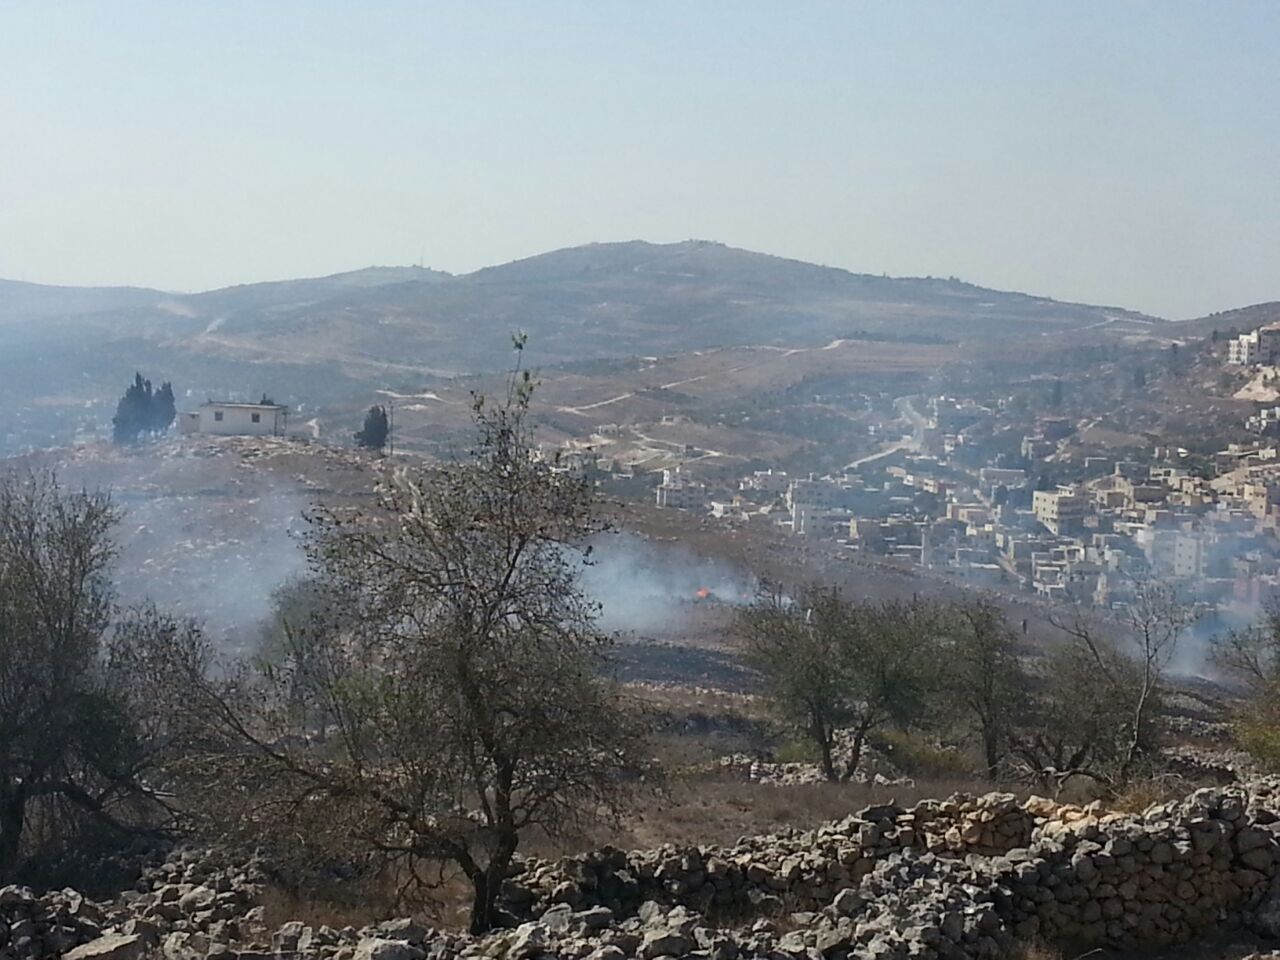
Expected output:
{"points": [[339, 906], [707, 810], [1144, 793], [917, 756], [341, 903]]}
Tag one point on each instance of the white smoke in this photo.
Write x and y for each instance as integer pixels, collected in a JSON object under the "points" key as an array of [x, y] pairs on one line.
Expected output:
{"points": [[646, 586]]}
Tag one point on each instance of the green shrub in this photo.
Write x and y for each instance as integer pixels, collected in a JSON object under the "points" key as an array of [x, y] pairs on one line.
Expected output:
{"points": [[797, 751], [917, 756]]}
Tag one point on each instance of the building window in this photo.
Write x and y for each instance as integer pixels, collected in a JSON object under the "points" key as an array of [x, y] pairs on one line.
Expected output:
{"points": [[217, 415], [257, 417]]}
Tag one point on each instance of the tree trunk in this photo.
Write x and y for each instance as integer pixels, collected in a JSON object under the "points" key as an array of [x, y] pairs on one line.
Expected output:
{"points": [[487, 884], [1135, 741], [991, 748], [823, 737], [483, 903], [855, 753], [12, 820]]}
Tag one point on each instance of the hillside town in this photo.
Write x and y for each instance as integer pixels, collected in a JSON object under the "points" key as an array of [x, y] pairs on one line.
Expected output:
{"points": [[999, 498], [1084, 540]]}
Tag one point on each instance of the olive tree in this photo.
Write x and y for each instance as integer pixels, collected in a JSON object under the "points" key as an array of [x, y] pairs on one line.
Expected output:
{"points": [[84, 686], [456, 699], [832, 665], [982, 674], [1252, 655], [796, 646]]}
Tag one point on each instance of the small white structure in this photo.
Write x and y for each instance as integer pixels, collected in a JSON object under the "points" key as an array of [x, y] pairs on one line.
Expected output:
{"points": [[236, 419]]}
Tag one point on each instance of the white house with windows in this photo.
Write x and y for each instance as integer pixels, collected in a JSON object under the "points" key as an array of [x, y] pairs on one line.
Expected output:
{"points": [[227, 419], [1256, 346]]}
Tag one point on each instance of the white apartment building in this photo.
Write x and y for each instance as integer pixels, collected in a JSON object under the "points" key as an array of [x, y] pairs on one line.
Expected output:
{"points": [[1256, 346]]}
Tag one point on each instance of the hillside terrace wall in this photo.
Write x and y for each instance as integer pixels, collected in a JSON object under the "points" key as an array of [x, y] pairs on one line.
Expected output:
{"points": [[962, 878], [1040, 869]]}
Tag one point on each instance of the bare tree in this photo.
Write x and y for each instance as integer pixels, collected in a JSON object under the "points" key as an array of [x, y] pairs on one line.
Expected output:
{"points": [[1069, 725], [830, 665], [462, 691], [1130, 650], [1252, 657], [81, 712]]}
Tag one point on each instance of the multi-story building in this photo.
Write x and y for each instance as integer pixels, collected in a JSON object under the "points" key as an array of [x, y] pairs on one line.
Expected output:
{"points": [[1256, 346], [1061, 510], [1261, 495], [1266, 421], [679, 492]]}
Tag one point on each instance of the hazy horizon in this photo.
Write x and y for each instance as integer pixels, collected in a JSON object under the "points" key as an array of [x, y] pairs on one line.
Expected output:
{"points": [[1113, 155]]}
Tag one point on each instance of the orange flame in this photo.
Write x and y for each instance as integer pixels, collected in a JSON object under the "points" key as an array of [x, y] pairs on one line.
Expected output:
{"points": [[702, 593]]}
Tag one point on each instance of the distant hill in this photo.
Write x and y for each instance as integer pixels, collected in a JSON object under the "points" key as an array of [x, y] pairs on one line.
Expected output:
{"points": [[620, 299], [1240, 319], [593, 301], [33, 301], [300, 293], [332, 339]]}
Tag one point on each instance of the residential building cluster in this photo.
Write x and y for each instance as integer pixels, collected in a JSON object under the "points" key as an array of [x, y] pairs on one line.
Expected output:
{"points": [[1215, 533]]}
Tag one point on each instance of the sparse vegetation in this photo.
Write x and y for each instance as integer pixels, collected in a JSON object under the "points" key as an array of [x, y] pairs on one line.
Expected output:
{"points": [[1252, 657], [85, 688], [459, 703], [832, 665]]}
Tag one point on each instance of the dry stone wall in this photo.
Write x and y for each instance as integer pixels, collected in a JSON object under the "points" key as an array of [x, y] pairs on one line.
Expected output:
{"points": [[801, 869], [958, 879], [963, 877]]}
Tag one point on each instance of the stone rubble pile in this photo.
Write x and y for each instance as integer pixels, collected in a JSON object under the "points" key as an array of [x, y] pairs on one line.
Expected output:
{"points": [[1223, 764], [873, 767], [184, 907], [1176, 872], [792, 773], [47, 926], [1210, 731]]}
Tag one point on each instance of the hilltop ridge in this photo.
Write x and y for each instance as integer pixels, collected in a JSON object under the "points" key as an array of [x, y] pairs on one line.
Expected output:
{"points": [[334, 340]]}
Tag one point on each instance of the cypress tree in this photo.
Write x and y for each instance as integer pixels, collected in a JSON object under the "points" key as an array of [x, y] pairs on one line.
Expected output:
{"points": [[373, 436]]}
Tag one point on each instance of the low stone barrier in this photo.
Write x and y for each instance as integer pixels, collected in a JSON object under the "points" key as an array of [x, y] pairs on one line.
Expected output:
{"points": [[798, 869], [958, 879]]}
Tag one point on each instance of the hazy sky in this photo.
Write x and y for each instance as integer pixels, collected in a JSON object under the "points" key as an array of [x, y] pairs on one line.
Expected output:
{"points": [[1115, 152]]}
